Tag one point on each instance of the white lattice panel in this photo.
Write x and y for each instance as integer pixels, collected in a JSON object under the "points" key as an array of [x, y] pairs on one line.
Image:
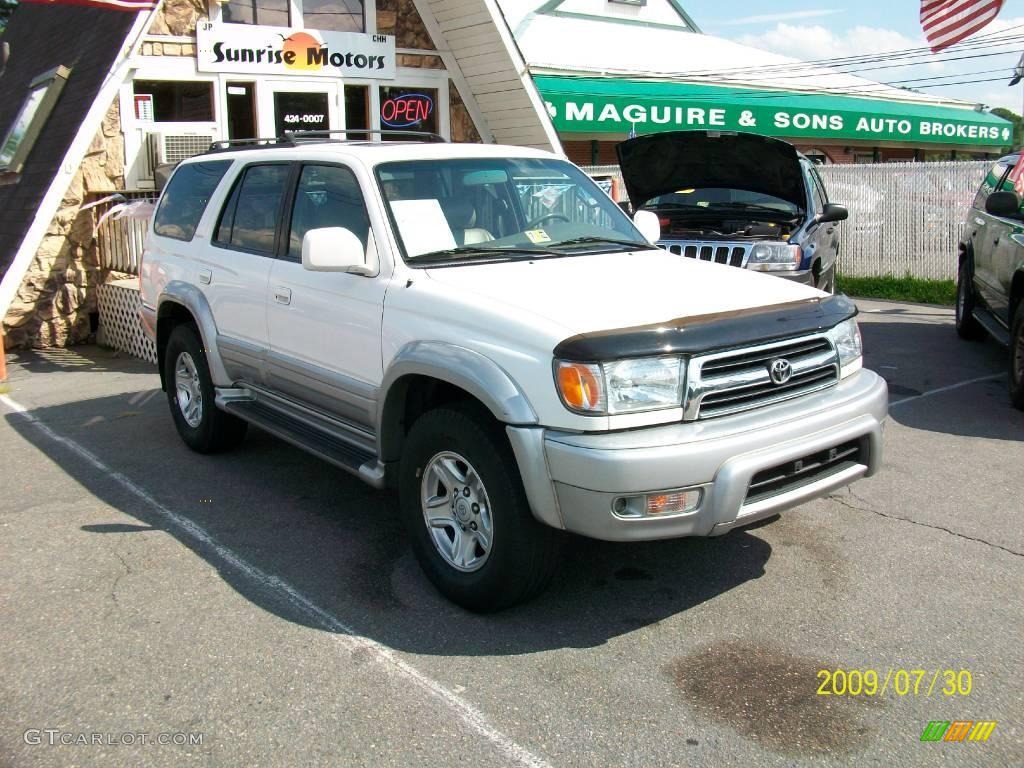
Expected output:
{"points": [[120, 302]]}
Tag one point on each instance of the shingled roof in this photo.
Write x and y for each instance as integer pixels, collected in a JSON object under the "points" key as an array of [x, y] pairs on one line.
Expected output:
{"points": [[86, 40]]}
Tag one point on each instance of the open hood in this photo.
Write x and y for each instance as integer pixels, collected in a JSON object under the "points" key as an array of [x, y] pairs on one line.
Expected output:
{"points": [[662, 163]]}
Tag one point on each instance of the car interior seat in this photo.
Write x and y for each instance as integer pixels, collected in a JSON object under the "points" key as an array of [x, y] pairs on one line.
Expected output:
{"points": [[461, 216]]}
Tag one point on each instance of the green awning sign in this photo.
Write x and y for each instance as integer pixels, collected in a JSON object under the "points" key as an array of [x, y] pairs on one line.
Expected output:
{"points": [[604, 105]]}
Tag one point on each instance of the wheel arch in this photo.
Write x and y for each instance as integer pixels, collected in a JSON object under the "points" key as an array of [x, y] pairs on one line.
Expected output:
{"points": [[179, 303], [426, 374]]}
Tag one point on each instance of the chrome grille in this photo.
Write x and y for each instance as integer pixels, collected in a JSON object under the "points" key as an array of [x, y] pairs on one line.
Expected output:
{"points": [[733, 254], [738, 380]]}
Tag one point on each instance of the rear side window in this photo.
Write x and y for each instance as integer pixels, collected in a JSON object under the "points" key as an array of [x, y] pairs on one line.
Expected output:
{"points": [[186, 197], [991, 183], [249, 220], [328, 196]]}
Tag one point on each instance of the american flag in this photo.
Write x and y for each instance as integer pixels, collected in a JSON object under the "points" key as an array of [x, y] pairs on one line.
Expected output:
{"points": [[946, 22], [114, 5]]}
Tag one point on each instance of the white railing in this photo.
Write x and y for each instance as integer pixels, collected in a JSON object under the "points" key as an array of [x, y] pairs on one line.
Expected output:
{"points": [[905, 218], [121, 227]]}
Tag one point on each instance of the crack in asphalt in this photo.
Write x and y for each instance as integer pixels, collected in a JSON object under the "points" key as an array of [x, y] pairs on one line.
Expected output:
{"points": [[868, 508], [127, 572]]}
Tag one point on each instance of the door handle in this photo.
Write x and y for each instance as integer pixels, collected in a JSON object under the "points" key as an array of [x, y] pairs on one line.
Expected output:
{"points": [[283, 295], [205, 276]]}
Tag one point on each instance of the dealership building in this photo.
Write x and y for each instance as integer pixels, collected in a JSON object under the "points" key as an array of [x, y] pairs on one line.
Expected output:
{"points": [[95, 102]]}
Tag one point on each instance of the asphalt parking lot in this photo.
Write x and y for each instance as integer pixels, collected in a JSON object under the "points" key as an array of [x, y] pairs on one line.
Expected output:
{"points": [[267, 605]]}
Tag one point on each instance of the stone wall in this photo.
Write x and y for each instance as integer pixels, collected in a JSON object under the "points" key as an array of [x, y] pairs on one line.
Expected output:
{"points": [[462, 125], [178, 17], [52, 307]]}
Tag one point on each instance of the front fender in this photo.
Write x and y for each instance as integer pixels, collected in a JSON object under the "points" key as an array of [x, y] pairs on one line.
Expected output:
{"points": [[191, 298], [471, 371]]}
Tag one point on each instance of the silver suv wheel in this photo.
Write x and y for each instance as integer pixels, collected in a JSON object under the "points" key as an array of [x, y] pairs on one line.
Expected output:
{"points": [[189, 392], [457, 511]]}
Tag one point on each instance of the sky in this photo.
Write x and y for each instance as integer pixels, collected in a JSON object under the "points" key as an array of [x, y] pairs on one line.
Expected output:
{"points": [[816, 30]]}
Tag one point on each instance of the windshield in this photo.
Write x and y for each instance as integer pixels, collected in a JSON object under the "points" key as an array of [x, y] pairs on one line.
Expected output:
{"points": [[718, 197], [501, 208]]}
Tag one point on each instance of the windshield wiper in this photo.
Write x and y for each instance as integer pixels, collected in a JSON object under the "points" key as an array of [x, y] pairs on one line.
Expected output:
{"points": [[471, 251], [633, 245]]}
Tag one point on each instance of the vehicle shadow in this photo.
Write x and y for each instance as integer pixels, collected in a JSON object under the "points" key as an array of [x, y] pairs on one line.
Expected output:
{"points": [[918, 354], [340, 544]]}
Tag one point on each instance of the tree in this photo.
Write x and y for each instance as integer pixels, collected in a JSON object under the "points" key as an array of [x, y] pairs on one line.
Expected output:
{"points": [[6, 9], [1018, 124]]}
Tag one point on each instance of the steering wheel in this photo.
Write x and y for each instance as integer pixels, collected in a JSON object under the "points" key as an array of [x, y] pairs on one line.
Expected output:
{"points": [[548, 216]]}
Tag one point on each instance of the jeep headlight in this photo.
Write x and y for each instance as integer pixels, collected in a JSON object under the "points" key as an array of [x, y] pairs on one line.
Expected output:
{"points": [[845, 337], [621, 386], [774, 257]]}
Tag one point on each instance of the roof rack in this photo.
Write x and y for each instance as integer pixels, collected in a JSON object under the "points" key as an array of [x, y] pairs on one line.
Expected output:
{"points": [[416, 135], [253, 143], [294, 138]]}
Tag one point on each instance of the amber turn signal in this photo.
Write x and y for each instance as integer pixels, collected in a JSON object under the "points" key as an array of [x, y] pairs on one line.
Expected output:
{"points": [[580, 386]]}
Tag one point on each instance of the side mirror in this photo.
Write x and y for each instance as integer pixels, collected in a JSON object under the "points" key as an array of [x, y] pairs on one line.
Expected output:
{"points": [[649, 226], [334, 249], [1003, 204], [833, 212]]}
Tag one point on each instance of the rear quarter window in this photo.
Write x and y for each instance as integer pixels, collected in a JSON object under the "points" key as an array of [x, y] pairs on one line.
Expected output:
{"points": [[186, 197]]}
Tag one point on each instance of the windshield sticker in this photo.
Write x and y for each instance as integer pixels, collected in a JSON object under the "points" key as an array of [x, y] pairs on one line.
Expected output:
{"points": [[537, 236], [422, 225]]}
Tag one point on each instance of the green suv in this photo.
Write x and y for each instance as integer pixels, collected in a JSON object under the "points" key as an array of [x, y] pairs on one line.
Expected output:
{"points": [[990, 287]]}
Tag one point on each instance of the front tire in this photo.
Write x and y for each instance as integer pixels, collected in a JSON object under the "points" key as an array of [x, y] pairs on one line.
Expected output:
{"points": [[463, 504], [190, 393], [967, 326], [1017, 358]]}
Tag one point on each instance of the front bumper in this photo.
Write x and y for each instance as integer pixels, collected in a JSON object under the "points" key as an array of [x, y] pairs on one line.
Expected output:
{"points": [[572, 479]]}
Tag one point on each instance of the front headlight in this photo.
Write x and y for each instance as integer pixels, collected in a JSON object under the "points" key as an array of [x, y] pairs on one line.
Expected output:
{"points": [[774, 257], [846, 339], [622, 386]]}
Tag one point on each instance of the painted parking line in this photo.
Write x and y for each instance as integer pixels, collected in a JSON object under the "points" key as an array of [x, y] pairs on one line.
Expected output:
{"points": [[948, 388], [466, 712]]}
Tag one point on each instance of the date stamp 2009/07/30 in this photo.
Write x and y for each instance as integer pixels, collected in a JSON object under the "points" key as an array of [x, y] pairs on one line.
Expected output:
{"points": [[895, 681]]}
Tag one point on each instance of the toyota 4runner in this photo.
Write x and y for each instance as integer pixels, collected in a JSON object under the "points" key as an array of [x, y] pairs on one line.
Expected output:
{"points": [[484, 330]]}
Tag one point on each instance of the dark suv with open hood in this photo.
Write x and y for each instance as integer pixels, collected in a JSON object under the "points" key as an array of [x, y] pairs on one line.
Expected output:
{"points": [[736, 198]]}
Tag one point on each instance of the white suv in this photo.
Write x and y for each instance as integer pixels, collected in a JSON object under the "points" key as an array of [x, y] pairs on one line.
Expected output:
{"points": [[483, 329]]}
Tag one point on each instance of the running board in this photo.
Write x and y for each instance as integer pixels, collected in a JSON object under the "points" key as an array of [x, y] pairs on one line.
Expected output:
{"points": [[301, 434], [993, 326]]}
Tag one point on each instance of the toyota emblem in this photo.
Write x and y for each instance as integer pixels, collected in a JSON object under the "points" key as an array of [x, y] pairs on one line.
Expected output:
{"points": [[780, 370]]}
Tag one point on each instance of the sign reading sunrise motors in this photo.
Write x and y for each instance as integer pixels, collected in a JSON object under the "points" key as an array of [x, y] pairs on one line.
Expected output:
{"points": [[248, 48]]}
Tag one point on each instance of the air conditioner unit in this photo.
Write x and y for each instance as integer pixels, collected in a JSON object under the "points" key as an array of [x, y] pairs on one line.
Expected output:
{"points": [[165, 149], [171, 147]]}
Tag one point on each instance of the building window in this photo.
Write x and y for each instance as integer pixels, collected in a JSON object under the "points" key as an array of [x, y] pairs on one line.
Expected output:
{"points": [[271, 13], [42, 95], [408, 109], [177, 101], [357, 109], [333, 15]]}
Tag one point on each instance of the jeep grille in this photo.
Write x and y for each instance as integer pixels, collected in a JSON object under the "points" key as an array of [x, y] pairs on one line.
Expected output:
{"points": [[733, 254], [739, 380]]}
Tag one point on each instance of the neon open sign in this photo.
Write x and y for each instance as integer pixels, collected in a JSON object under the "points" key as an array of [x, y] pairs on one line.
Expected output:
{"points": [[406, 110]]}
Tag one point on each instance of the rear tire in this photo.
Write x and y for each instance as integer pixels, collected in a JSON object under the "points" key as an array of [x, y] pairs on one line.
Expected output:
{"points": [[1017, 358], [967, 326], [483, 548], [202, 426]]}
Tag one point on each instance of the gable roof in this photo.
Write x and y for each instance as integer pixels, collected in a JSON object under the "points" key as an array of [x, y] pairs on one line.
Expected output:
{"points": [[86, 40]]}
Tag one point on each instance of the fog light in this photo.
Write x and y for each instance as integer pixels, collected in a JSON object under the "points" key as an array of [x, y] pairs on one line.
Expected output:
{"points": [[658, 504], [673, 503]]}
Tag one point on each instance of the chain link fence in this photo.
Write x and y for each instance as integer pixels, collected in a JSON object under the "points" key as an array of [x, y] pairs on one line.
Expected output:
{"points": [[905, 218]]}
